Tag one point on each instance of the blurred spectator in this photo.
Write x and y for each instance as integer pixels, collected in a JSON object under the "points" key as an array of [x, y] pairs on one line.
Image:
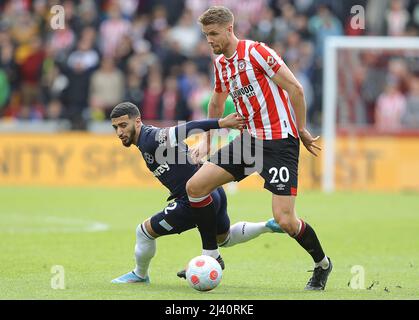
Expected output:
{"points": [[301, 27], [123, 53], [174, 9], [397, 69], [152, 93], [41, 14], [4, 89], [80, 65], [411, 118], [88, 15], [106, 89], [156, 29], [186, 33], [416, 14], [322, 25], [396, 18], [172, 58], [374, 16], [303, 6], [84, 57], [31, 112], [23, 29], [305, 82], [128, 8], [202, 58], [390, 109], [293, 47], [172, 105], [54, 110], [112, 30], [199, 96], [284, 22], [8, 68], [374, 82], [31, 71], [188, 80], [264, 30], [134, 91]]}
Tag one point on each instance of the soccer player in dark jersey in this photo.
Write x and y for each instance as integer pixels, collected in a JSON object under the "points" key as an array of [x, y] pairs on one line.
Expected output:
{"points": [[166, 156], [271, 100]]}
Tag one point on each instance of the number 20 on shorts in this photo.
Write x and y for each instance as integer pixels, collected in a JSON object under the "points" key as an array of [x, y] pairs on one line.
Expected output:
{"points": [[283, 174]]}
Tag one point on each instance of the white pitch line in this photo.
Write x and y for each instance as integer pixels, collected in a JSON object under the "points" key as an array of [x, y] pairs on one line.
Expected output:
{"points": [[19, 223]]}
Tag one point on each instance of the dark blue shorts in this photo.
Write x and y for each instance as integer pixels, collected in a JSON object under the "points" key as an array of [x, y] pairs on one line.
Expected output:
{"points": [[177, 217]]}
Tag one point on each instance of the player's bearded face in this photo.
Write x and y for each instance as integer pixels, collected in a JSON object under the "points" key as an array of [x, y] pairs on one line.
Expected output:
{"points": [[125, 129], [217, 37], [128, 138]]}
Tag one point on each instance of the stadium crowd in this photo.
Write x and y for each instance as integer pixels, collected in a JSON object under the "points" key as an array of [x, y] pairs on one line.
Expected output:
{"points": [[152, 53]]}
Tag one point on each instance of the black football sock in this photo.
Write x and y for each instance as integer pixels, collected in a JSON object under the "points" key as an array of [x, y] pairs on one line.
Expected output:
{"points": [[206, 220], [307, 238]]}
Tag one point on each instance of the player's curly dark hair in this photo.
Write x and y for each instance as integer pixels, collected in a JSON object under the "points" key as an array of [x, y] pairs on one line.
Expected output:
{"points": [[125, 108]]}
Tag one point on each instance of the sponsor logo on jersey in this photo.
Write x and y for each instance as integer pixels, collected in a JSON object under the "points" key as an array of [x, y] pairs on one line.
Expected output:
{"points": [[247, 91], [148, 157], [161, 169]]}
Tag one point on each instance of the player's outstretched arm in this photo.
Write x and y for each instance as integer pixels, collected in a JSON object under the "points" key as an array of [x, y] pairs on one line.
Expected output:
{"points": [[181, 132]]}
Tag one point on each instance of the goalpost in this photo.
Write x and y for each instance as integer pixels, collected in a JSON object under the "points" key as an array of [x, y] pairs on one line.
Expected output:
{"points": [[330, 89]]}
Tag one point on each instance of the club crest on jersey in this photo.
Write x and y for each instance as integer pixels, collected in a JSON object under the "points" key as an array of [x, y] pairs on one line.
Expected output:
{"points": [[242, 65], [148, 158]]}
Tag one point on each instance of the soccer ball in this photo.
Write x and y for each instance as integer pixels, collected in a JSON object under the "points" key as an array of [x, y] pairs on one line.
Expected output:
{"points": [[203, 273]]}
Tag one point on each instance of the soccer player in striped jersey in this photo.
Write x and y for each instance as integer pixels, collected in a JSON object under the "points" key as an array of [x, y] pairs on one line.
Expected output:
{"points": [[270, 99], [166, 156]]}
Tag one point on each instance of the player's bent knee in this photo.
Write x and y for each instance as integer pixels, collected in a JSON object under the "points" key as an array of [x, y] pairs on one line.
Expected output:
{"points": [[193, 189], [145, 230], [222, 238]]}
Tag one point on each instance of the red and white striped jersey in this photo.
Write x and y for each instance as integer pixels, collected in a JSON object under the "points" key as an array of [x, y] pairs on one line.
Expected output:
{"points": [[247, 77]]}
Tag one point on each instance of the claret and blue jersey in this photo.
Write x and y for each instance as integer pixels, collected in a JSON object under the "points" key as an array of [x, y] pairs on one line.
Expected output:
{"points": [[166, 155]]}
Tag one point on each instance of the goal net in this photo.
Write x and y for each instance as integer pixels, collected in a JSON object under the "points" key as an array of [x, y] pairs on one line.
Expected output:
{"points": [[370, 125]]}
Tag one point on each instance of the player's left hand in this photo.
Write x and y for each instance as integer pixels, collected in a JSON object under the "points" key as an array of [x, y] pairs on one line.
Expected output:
{"points": [[309, 142], [232, 121]]}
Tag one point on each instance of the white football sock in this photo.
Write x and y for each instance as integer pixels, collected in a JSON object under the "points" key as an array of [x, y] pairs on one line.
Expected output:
{"points": [[244, 231], [145, 249], [212, 253], [324, 263]]}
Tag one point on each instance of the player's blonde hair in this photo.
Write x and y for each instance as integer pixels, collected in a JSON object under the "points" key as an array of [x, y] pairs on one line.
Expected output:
{"points": [[216, 15]]}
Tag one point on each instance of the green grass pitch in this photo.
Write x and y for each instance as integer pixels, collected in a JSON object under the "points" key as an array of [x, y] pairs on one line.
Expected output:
{"points": [[44, 227]]}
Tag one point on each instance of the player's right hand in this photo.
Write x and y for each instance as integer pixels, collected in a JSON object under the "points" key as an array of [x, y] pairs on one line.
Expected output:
{"points": [[200, 151], [309, 142], [232, 121]]}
